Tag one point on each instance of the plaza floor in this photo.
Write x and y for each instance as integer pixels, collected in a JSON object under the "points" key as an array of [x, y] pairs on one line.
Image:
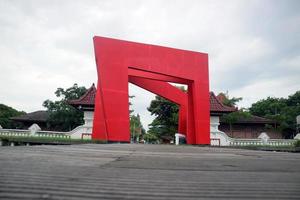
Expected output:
{"points": [[131, 171]]}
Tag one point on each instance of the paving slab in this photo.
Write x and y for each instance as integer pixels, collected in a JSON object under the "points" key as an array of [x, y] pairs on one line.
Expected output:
{"points": [[135, 171]]}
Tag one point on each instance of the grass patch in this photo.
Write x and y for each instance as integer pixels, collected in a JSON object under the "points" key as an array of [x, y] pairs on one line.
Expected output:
{"points": [[297, 143], [35, 139], [291, 148], [47, 140]]}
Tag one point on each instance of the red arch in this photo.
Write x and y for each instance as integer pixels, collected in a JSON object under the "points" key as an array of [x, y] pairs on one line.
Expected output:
{"points": [[169, 92], [117, 60]]}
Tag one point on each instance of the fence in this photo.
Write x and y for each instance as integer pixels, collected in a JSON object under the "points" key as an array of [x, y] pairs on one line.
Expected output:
{"points": [[260, 142], [219, 138], [17, 134]]}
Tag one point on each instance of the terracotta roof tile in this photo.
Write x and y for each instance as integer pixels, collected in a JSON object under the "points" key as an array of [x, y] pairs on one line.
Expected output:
{"points": [[89, 99], [217, 106]]}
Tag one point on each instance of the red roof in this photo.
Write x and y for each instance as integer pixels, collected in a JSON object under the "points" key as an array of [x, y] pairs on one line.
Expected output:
{"points": [[217, 106], [88, 99]]}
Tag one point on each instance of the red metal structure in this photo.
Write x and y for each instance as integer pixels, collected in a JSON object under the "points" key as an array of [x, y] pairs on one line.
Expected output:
{"points": [[151, 67], [169, 92]]}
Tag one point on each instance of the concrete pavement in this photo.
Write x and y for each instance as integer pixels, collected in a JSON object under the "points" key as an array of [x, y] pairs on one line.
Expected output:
{"points": [[131, 171]]}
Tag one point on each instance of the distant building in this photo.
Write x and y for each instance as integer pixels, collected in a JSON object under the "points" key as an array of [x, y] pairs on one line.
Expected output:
{"points": [[86, 103], [217, 108], [243, 128], [38, 117], [250, 127]]}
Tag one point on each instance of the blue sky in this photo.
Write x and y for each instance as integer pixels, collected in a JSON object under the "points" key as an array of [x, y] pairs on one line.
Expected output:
{"points": [[253, 46]]}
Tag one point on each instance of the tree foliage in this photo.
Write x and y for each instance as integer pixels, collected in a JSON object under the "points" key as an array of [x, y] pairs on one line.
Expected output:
{"points": [[136, 128], [166, 120], [150, 138], [130, 104], [62, 116], [227, 101], [6, 113], [283, 110], [165, 124]]}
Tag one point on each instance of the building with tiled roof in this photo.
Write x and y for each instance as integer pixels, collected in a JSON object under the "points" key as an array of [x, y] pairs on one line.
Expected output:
{"points": [[243, 128], [87, 102], [38, 117], [252, 119], [217, 107], [250, 127], [247, 127]]}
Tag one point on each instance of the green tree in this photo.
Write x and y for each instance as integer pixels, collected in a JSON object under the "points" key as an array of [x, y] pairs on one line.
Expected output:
{"points": [[62, 116], [227, 101], [150, 138], [166, 120], [136, 128], [268, 107], [130, 104], [6, 113], [165, 124], [282, 110]]}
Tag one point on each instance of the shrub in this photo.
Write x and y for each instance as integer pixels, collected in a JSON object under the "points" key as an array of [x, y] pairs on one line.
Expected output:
{"points": [[297, 143]]}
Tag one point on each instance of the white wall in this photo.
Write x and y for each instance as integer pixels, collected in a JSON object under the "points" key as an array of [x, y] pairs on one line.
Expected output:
{"points": [[88, 118], [87, 128], [217, 137]]}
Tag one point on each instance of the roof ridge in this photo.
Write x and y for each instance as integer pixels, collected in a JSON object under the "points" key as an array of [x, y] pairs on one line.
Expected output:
{"points": [[88, 99], [87, 92], [84, 95], [230, 107]]}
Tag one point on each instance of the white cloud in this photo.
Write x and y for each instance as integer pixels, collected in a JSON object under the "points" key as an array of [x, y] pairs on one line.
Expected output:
{"points": [[253, 46], [265, 88], [291, 63]]}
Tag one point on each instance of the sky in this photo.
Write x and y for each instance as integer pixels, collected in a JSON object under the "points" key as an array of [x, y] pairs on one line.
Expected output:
{"points": [[253, 45]]}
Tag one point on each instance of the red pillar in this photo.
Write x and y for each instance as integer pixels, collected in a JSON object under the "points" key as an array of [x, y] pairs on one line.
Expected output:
{"points": [[117, 59]]}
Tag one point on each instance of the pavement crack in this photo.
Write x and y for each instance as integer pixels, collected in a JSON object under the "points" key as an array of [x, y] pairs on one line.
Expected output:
{"points": [[117, 159]]}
